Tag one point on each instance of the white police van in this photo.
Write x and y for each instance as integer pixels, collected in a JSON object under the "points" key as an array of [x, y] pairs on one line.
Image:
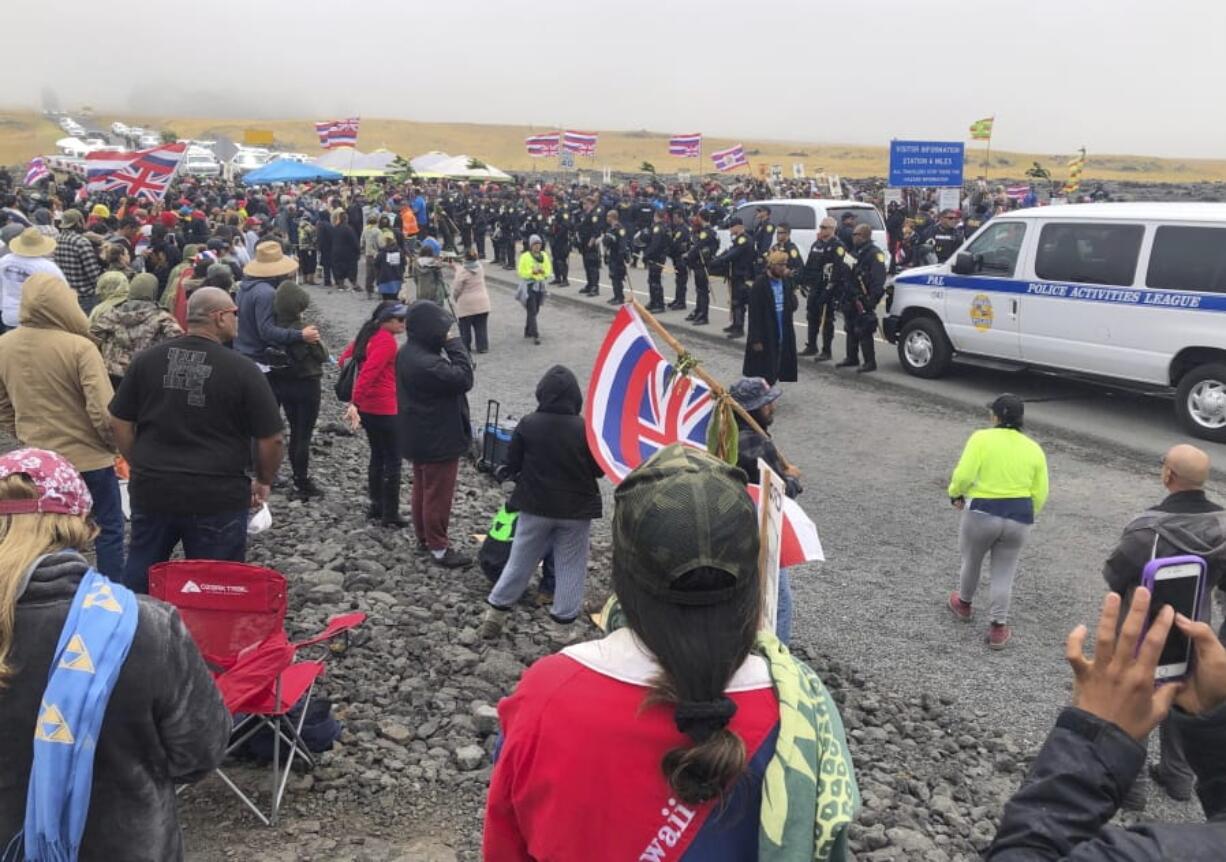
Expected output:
{"points": [[1133, 293], [803, 215]]}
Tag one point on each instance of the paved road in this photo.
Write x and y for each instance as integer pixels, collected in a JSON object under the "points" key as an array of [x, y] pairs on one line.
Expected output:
{"points": [[1142, 423], [876, 457]]}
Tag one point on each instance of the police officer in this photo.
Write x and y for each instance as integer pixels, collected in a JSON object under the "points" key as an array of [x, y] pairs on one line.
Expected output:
{"points": [[704, 247], [506, 230], [946, 236], [783, 243], [763, 238], [679, 243], [559, 244], [616, 244], [865, 287], [655, 255], [481, 224], [589, 230], [824, 275], [737, 262]]}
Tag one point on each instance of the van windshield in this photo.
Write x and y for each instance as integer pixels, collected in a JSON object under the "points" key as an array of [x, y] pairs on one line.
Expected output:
{"points": [[864, 215]]}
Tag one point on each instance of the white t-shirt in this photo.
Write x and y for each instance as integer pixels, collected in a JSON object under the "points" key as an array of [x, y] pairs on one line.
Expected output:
{"points": [[14, 270]]}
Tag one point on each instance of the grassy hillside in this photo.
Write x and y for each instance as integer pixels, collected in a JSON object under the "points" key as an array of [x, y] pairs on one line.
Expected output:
{"points": [[23, 135]]}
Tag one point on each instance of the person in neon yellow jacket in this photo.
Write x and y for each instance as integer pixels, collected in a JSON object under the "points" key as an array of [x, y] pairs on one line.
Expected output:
{"points": [[1003, 474], [534, 268]]}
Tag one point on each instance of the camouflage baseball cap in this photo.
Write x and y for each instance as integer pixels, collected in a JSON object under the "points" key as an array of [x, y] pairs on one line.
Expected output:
{"points": [[681, 510]]}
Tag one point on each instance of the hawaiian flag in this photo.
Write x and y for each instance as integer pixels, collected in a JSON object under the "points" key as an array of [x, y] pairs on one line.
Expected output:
{"points": [[338, 133], [582, 143], [1017, 193], [726, 160], [146, 173], [542, 145], [685, 146], [36, 170], [637, 404]]}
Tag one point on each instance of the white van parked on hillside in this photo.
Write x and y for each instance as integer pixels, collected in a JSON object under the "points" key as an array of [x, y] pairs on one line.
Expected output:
{"points": [[1133, 293]]}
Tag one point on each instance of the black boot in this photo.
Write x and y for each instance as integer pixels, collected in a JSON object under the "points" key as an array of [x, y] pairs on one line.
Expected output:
{"points": [[307, 489], [391, 504], [810, 350]]}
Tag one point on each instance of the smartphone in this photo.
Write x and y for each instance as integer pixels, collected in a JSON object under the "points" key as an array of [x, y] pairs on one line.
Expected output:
{"points": [[1178, 582]]}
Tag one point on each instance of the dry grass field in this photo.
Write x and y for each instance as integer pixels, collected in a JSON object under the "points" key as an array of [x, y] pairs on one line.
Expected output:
{"points": [[26, 134]]}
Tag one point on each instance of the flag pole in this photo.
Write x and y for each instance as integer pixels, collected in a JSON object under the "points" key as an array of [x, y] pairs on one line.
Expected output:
{"points": [[698, 371], [987, 159]]}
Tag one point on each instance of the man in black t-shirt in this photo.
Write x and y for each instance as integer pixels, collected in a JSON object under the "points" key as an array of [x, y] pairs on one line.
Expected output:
{"points": [[185, 417]]}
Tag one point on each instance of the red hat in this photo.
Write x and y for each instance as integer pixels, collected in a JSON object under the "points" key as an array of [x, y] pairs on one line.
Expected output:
{"points": [[199, 215], [61, 490], [168, 218]]}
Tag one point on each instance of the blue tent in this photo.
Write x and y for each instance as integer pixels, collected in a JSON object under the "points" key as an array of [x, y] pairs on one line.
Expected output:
{"points": [[288, 171]]}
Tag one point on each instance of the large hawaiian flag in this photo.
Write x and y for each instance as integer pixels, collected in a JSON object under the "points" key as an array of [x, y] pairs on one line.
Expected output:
{"points": [[637, 403]]}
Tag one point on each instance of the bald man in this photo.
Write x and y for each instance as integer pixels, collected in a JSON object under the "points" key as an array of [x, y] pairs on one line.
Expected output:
{"points": [[1186, 522], [185, 417]]}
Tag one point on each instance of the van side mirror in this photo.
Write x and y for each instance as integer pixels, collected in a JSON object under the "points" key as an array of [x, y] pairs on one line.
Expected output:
{"points": [[964, 263]]}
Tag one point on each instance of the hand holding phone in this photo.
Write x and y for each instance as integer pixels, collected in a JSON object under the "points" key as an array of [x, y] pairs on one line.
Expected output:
{"points": [[1178, 582], [1117, 685], [1206, 686]]}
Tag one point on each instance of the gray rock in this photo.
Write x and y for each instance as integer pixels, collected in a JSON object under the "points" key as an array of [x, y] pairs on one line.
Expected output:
{"points": [[470, 757], [326, 593], [485, 719], [910, 840], [396, 732]]}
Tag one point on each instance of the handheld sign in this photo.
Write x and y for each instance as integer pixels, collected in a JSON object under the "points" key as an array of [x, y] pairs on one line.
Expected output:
{"points": [[770, 537]]}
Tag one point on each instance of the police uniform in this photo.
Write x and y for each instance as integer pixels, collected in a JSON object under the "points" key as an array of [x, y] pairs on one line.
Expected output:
{"points": [[506, 236], [559, 245], [654, 257], [481, 223], [865, 287], [945, 241], [616, 243], [589, 229], [825, 273], [763, 239], [737, 261], [679, 245], [704, 247], [795, 262]]}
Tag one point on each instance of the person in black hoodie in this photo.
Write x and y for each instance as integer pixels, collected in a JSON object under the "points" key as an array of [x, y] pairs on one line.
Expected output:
{"points": [[557, 498], [433, 375]]}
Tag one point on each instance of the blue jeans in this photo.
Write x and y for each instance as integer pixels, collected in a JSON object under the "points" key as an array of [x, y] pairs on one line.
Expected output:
{"points": [[783, 619], [204, 537], [87, 304], [108, 513]]}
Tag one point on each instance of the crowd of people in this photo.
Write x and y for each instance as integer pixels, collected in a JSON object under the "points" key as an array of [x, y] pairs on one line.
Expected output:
{"points": [[166, 341]]}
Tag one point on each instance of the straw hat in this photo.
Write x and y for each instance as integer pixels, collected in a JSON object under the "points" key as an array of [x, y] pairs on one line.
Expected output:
{"points": [[31, 243], [269, 260]]}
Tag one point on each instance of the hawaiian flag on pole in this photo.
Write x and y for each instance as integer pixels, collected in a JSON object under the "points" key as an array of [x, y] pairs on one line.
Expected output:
{"points": [[323, 129], [726, 160], [637, 404], [542, 145], [338, 133], [36, 170], [581, 143], [1017, 193], [685, 146], [146, 173]]}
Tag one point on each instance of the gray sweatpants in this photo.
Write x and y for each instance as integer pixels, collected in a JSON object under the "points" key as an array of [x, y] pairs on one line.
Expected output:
{"points": [[980, 534], [534, 537]]}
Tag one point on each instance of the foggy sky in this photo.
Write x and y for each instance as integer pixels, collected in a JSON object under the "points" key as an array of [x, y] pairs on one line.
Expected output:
{"points": [[1122, 76]]}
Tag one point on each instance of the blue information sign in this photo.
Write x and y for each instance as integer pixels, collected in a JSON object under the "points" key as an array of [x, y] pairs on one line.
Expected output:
{"points": [[926, 163]]}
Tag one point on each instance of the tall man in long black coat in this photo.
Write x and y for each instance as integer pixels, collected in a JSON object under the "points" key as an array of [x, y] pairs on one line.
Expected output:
{"points": [[770, 343]]}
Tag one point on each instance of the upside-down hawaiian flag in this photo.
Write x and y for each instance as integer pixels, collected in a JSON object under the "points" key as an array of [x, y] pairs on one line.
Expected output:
{"points": [[637, 404], [581, 143], [542, 145], [685, 146], [726, 160], [323, 130], [36, 170], [344, 133], [146, 173]]}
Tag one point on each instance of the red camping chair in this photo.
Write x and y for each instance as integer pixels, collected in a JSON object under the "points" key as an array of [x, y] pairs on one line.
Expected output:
{"points": [[235, 613]]}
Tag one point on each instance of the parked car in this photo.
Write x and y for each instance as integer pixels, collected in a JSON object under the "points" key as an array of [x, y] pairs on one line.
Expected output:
{"points": [[803, 215], [248, 160], [120, 129], [201, 163], [1130, 293], [149, 139]]}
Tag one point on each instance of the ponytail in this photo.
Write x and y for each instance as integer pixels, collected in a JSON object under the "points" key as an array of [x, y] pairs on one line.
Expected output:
{"points": [[699, 648]]}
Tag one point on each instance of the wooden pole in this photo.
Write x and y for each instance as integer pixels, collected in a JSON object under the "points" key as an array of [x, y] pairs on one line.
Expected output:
{"points": [[698, 371]]}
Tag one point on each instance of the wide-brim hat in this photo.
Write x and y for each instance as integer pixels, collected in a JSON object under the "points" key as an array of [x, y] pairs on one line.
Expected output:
{"points": [[32, 243], [270, 260]]}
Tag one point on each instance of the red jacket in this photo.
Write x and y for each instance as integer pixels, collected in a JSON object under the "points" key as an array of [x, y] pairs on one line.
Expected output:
{"points": [[374, 390]]}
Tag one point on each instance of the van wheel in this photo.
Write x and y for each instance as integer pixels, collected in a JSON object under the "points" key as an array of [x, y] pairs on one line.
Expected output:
{"points": [[923, 349], [1200, 402]]}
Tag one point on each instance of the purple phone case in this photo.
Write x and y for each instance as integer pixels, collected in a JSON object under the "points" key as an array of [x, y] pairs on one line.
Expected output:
{"points": [[1147, 581]]}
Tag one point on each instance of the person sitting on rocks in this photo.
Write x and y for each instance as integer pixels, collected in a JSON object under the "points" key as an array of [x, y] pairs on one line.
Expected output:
{"points": [[1097, 748], [556, 496], [654, 741]]}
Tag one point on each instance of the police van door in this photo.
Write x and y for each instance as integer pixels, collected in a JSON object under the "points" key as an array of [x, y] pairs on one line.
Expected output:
{"points": [[983, 309]]}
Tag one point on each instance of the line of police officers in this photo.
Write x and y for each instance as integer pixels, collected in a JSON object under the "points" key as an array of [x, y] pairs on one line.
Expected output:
{"points": [[840, 274]]}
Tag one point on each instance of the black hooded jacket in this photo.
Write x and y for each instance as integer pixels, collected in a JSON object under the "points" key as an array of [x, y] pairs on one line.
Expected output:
{"points": [[433, 375], [554, 470]]}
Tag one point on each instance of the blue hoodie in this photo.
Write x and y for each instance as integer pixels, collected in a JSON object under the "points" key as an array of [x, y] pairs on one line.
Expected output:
{"points": [[257, 326]]}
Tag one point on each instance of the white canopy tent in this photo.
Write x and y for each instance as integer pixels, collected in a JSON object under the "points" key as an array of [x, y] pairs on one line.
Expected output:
{"points": [[456, 168]]}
